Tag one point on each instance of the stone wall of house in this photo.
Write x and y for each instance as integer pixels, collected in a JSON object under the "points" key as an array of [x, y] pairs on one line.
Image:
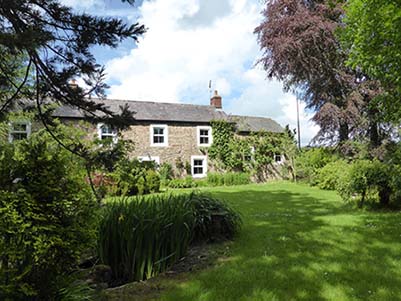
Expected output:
{"points": [[182, 143]]}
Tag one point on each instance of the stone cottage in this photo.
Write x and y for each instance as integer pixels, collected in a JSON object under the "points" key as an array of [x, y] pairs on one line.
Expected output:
{"points": [[167, 132]]}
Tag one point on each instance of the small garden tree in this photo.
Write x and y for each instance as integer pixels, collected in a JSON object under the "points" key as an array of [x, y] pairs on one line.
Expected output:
{"points": [[46, 211]]}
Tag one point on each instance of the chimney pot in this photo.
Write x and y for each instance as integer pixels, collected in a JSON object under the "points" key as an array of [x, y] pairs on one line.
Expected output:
{"points": [[216, 100], [73, 84]]}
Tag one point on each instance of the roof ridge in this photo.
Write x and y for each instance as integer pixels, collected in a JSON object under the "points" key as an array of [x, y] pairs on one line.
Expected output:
{"points": [[155, 102], [235, 115]]}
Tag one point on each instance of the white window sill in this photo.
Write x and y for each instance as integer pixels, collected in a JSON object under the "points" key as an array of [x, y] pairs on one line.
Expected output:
{"points": [[199, 176]]}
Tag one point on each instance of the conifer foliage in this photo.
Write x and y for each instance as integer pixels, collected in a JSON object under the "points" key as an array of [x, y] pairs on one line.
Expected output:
{"points": [[56, 43]]}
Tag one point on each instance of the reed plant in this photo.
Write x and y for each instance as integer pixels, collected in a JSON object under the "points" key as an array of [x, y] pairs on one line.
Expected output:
{"points": [[142, 236]]}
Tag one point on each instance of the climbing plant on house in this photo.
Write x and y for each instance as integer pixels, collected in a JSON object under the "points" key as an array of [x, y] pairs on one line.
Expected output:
{"points": [[223, 134], [254, 153]]}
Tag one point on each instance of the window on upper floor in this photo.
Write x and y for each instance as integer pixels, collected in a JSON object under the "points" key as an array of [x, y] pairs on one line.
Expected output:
{"points": [[19, 130], [106, 131], [204, 135], [199, 166], [158, 135]]}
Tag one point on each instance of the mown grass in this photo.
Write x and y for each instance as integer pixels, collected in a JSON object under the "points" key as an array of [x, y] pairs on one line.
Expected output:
{"points": [[300, 243]]}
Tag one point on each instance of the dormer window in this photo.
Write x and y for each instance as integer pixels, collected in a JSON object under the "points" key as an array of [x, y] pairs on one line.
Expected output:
{"points": [[19, 130], [158, 135], [204, 135], [106, 131]]}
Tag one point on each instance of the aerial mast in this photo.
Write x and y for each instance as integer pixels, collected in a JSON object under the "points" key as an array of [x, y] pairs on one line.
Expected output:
{"points": [[298, 125]]}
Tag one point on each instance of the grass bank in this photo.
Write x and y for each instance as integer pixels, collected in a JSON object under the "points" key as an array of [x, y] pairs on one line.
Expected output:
{"points": [[299, 243]]}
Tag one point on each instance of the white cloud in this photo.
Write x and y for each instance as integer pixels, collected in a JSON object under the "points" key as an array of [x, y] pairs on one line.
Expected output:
{"points": [[190, 42], [308, 129], [83, 4], [262, 97], [183, 59]]}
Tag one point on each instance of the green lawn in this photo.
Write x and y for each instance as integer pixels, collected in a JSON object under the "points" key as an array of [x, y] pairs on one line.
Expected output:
{"points": [[301, 243]]}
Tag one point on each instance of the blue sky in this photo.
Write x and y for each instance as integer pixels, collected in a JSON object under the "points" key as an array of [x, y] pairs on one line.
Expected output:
{"points": [[188, 43]]}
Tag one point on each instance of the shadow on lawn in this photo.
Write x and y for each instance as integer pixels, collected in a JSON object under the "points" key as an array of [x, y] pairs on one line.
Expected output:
{"points": [[295, 246]]}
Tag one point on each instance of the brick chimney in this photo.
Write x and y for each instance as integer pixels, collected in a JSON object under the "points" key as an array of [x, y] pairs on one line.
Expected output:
{"points": [[215, 101], [73, 84]]}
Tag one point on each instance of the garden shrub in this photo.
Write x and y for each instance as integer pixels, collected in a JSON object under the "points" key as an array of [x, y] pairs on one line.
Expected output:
{"points": [[310, 161], [395, 184], [215, 179], [152, 181], [367, 179], [329, 176], [228, 179], [142, 236], [46, 217], [187, 182], [132, 177], [188, 168], [201, 183], [166, 172], [214, 219]]}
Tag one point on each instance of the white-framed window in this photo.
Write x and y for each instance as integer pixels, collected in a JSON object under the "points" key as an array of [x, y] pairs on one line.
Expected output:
{"points": [[19, 130], [106, 131], [251, 155], [156, 159], [199, 166], [278, 158], [204, 135], [159, 135]]}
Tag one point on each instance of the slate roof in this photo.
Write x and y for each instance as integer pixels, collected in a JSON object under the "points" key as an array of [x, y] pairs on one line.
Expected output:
{"points": [[153, 111], [177, 112], [255, 124]]}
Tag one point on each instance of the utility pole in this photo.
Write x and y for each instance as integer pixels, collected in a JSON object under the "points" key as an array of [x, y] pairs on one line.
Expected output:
{"points": [[298, 126]]}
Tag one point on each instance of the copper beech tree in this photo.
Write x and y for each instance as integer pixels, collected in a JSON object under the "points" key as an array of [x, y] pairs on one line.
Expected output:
{"points": [[301, 48]]}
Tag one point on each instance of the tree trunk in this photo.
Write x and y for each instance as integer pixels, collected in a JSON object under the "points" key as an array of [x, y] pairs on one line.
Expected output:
{"points": [[384, 196], [374, 136], [362, 202], [343, 132]]}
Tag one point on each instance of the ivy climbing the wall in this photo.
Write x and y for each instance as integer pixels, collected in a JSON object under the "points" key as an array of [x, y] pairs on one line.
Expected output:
{"points": [[223, 134], [254, 153]]}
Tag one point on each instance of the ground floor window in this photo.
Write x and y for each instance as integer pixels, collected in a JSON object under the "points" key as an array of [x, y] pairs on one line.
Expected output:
{"points": [[199, 166], [278, 158], [155, 159], [249, 157]]}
